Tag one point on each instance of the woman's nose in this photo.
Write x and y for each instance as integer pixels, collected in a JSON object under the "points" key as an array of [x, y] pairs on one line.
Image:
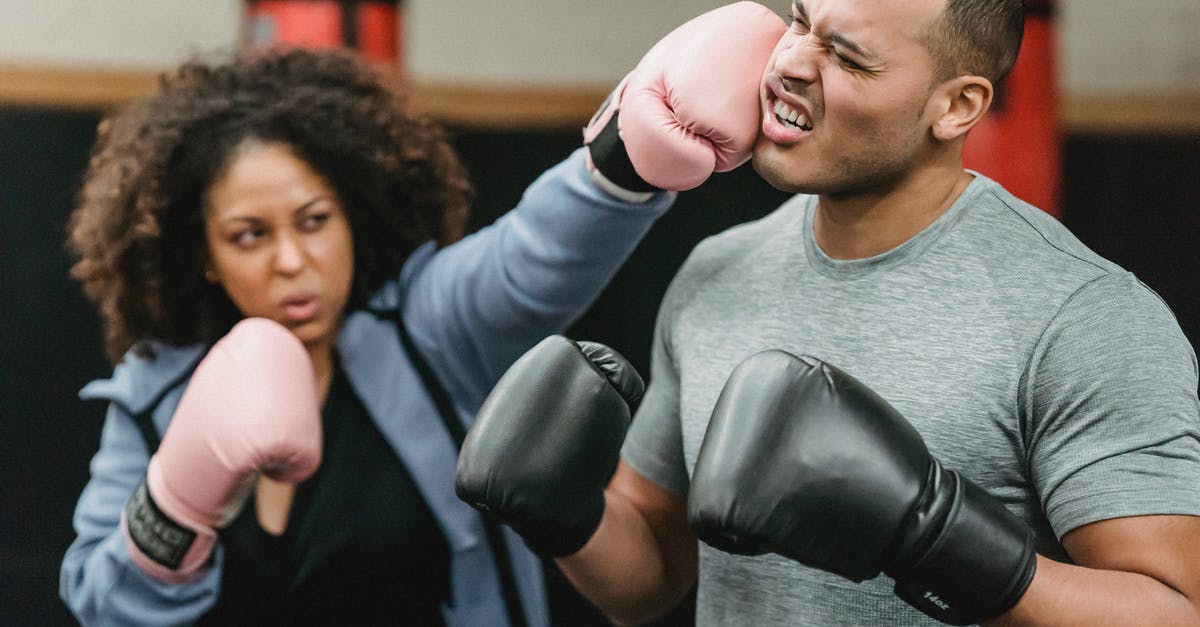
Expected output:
{"points": [[289, 254]]}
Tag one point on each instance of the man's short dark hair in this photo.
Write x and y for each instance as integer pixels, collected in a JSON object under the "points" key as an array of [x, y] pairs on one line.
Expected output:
{"points": [[977, 37]]}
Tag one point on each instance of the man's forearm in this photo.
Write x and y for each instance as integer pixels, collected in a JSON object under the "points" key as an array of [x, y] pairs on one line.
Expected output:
{"points": [[625, 570], [1064, 594]]}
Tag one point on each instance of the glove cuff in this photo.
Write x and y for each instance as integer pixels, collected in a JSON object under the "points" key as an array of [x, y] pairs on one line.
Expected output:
{"points": [[158, 544], [968, 558], [608, 161], [563, 540], [614, 190]]}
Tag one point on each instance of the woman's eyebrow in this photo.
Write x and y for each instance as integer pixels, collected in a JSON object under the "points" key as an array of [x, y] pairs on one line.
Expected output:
{"points": [[314, 200]]}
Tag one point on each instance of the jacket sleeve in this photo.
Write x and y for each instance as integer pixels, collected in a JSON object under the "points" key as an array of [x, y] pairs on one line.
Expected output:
{"points": [[98, 582], [474, 307]]}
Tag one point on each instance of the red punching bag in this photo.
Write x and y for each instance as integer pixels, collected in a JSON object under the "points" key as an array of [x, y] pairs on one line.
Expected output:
{"points": [[370, 27], [1017, 144]]}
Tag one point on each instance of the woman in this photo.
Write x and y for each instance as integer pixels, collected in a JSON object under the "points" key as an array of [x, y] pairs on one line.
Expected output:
{"points": [[294, 187]]}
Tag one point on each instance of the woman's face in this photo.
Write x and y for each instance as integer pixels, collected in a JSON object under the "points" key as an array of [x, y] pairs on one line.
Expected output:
{"points": [[279, 241]]}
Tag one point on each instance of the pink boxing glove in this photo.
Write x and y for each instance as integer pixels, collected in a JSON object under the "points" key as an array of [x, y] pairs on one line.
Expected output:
{"points": [[251, 407], [690, 107]]}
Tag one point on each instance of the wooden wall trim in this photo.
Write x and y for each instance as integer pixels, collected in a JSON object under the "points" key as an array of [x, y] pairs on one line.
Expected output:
{"points": [[553, 108], [76, 87], [1131, 113], [508, 107]]}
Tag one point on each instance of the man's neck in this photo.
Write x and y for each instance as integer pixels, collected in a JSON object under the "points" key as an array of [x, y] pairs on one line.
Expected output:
{"points": [[856, 226]]}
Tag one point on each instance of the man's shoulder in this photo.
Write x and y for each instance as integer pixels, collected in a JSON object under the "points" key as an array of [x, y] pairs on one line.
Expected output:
{"points": [[784, 221], [1022, 240], [737, 259]]}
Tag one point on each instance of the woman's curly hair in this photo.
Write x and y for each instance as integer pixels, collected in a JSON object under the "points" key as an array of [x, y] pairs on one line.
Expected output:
{"points": [[137, 234]]}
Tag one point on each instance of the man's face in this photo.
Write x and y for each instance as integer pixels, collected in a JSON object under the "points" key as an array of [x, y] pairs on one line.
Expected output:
{"points": [[844, 96]]}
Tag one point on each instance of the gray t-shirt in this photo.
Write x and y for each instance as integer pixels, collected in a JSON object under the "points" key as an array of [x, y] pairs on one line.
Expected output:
{"points": [[1044, 373]]}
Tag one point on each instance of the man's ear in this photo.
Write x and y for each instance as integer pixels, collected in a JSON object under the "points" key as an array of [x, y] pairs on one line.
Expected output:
{"points": [[961, 103]]}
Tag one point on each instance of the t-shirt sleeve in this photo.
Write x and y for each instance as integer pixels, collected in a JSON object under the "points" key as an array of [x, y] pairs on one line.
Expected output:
{"points": [[654, 444], [1114, 420]]}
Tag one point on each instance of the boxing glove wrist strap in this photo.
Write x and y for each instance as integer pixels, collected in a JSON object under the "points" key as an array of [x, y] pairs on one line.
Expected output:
{"points": [[968, 559], [617, 191], [611, 166], [158, 544], [153, 532]]}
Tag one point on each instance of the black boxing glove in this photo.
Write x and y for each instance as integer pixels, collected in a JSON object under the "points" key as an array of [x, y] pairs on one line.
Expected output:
{"points": [[547, 440], [850, 488]]}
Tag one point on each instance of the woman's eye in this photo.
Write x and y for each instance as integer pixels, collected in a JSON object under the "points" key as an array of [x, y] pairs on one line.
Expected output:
{"points": [[315, 221], [247, 238], [799, 25]]}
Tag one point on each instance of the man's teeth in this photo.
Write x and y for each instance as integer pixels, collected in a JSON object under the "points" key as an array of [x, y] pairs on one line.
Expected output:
{"points": [[791, 117]]}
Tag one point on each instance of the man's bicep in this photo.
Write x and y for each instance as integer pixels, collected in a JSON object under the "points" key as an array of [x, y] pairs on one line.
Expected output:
{"points": [[1165, 548]]}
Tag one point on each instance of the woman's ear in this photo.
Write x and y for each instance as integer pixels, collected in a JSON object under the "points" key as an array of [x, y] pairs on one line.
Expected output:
{"points": [[963, 101], [210, 275]]}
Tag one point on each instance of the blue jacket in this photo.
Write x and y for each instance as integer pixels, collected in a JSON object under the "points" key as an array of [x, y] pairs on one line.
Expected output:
{"points": [[472, 308]]}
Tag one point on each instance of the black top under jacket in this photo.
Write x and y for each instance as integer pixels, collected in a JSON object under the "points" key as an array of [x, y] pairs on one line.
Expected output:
{"points": [[361, 546]]}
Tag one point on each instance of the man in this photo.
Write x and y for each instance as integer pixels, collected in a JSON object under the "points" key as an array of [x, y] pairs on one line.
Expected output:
{"points": [[1030, 367]]}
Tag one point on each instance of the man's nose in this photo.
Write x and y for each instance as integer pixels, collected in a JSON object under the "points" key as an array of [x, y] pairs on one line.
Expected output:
{"points": [[797, 63]]}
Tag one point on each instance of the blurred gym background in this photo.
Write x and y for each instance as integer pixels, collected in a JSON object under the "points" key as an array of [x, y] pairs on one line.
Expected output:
{"points": [[1099, 125]]}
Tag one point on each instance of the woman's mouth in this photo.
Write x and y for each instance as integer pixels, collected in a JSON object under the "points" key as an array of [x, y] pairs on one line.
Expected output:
{"points": [[300, 309]]}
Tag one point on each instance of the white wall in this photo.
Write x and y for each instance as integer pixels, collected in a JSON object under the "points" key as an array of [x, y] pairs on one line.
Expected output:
{"points": [[1105, 45], [1119, 45], [116, 34], [555, 42]]}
